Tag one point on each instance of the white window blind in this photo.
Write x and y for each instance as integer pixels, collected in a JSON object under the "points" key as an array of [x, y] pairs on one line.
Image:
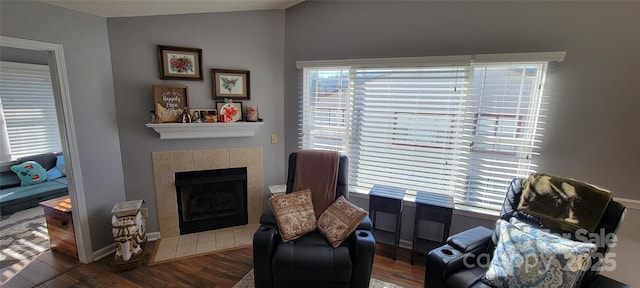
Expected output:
{"points": [[461, 130], [29, 109], [502, 125], [324, 111], [407, 127]]}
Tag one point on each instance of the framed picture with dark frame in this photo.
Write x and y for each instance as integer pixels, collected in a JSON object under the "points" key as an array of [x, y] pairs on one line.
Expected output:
{"points": [[170, 101], [180, 63], [232, 111], [231, 84]]}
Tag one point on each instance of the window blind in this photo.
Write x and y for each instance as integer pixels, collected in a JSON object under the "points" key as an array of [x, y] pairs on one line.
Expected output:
{"points": [[502, 129], [29, 109], [325, 109], [407, 127], [462, 130]]}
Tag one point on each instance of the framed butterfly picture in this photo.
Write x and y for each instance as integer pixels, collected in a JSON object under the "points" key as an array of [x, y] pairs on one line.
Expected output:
{"points": [[230, 84]]}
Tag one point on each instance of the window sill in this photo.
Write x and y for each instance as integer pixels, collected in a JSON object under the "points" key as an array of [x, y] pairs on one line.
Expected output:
{"points": [[6, 166], [409, 201]]}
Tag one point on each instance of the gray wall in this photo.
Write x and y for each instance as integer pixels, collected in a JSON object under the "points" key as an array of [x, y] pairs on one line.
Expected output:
{"points": [[251, 41], [590, 134], [86, 50], [592, 117]]}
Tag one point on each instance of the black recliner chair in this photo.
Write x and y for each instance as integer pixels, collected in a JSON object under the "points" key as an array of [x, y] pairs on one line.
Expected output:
{"points": [[310, 261], [446, 264]]}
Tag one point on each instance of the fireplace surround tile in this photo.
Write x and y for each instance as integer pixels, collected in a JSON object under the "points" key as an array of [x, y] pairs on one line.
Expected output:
{"points": [[254, 204], [254, 175], [167, 249], [202, 160], [207, 236], [162, 162], [167, 207], [204, 246], [166, 164], [186, 250], [187, 245], [208, 241], [166, 190], [220, 158], [254, 156], [169, 225], [183, 161], [223, 234], [244, 240], [237, 157], [225, 243]]}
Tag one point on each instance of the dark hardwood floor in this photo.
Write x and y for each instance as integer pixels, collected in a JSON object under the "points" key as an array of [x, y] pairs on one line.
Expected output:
{"points": [[221, 269]]}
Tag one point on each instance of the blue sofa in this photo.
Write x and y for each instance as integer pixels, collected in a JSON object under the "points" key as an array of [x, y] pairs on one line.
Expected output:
{"points": [[14, 198]]}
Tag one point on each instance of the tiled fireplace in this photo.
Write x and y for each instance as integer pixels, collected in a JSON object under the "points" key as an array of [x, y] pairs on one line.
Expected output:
{"points": [[167, 163]]}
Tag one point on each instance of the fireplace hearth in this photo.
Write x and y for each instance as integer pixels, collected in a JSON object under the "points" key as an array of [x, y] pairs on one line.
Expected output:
{"points": [[211, 199]]}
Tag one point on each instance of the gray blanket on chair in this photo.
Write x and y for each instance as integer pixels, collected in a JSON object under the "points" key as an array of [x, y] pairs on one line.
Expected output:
{"points": [[564, 203]]}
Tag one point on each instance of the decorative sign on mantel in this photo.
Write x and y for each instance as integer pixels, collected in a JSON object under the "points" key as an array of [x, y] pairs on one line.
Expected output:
{"points": [[170, 101]]}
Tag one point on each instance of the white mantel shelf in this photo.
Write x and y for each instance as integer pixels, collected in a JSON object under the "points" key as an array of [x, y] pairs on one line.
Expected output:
{"points": [[205, 130]]}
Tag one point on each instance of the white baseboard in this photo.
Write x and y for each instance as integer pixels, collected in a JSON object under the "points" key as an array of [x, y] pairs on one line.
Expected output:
{"points": [[629, 203], [153, 236], [405, 244], [104, 252]]}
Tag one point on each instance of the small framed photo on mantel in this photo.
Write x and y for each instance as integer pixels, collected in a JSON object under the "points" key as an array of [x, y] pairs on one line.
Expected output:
{"points": [[230, 84], [204, 115], [180, 63]]}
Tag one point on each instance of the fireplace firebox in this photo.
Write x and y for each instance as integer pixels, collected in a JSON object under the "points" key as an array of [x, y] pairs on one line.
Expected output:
{"points": [[211, 199]]}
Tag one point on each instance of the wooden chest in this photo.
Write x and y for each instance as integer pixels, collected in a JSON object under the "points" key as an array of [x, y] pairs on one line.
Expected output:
{"points": [[60, 225]]}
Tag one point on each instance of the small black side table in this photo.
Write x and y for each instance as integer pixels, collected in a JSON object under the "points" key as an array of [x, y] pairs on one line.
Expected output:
{"points": [[432, 207], [388, 200]]}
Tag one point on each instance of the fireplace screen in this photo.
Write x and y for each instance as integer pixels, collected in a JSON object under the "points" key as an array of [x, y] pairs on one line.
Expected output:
{"points": [[211, 199]]}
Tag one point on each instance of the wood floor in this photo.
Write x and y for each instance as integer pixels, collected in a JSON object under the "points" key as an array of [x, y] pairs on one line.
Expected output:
{"points": [[221, 269]]}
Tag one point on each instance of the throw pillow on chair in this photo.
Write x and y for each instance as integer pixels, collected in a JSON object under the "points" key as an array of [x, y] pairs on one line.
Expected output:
{"points": [[294, 214], [339, 220]]}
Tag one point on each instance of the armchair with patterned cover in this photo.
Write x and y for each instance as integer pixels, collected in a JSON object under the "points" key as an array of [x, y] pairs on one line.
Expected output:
{"points": [[467, 256]]}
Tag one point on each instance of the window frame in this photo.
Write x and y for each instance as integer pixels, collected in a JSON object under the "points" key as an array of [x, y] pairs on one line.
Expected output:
{"points": [[43, 94], [470, 136]]}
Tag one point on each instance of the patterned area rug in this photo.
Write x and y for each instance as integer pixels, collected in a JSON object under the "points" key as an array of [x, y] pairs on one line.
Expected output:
{"points": [[248, 282], [23, 235]]}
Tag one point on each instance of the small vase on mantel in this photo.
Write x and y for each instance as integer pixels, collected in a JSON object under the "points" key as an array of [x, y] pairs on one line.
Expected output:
{"points": [[252, 113]]}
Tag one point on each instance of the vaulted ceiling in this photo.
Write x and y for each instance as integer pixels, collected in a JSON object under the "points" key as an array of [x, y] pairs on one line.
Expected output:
{"points": [[131, 8]]}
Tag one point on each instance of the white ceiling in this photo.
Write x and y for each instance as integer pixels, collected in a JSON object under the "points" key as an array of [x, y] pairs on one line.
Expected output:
{"points": [[130, 8]]}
